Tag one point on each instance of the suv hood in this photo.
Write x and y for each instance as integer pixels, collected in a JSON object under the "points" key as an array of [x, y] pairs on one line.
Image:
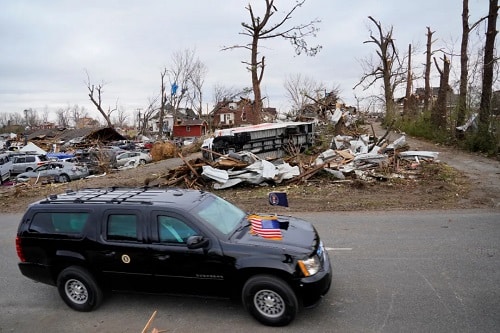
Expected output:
{"points": [[295, 232]]}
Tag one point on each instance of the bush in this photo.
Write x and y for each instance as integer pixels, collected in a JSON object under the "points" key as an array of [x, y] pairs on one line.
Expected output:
{"points": [[421, 127]]}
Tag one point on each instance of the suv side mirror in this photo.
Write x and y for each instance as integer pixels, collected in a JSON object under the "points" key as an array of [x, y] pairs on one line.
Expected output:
{"points": [[196, 242]]}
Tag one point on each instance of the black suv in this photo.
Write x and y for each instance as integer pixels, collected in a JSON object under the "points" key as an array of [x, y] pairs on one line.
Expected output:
{"points": [[172, 241]]}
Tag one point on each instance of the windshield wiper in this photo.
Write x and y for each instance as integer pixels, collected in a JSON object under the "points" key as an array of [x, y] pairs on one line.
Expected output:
{"points": [[244, 223]]}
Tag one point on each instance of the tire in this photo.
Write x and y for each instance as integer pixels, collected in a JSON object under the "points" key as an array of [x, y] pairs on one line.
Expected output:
{"points": [[64, 178], [270, 300], [142, 162], [78, 289]]}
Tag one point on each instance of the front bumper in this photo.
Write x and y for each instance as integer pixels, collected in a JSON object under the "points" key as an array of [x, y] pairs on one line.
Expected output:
{"points": [[313, 288]]}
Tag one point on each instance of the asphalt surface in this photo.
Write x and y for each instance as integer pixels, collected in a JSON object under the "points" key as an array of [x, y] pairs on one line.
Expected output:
{"points": [[425, 271]]}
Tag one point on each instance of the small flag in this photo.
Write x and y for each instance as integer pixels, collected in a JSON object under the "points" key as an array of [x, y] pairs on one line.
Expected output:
{"points": [[266, 227], [278, 199]]}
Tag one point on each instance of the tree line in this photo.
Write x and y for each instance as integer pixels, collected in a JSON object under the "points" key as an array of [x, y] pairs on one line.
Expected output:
{"points": [[427, 114]]}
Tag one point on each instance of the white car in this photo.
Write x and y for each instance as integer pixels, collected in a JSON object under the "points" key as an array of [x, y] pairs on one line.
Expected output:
{"points": [[130, 158], [61, 172], [5, 166]]}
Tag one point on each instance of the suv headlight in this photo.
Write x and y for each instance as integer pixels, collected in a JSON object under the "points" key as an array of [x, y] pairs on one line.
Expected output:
{"points": [[309, 266]]}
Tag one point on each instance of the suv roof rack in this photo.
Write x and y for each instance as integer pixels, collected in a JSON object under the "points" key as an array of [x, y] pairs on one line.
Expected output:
{"points": [[113, 195]]}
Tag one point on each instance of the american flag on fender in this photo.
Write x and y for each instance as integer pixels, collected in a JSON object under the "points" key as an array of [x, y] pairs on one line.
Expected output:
{"points": [[265, 226]]}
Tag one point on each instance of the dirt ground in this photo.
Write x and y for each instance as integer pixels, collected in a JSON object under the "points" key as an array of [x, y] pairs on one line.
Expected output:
{"points": [[459, 180]]}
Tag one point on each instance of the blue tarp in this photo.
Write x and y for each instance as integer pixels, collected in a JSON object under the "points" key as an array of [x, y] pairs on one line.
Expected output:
{"points": [[59, 156]]}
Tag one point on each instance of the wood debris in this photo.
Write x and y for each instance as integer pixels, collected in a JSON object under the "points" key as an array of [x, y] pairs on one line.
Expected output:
{"points": [[355, 158]]}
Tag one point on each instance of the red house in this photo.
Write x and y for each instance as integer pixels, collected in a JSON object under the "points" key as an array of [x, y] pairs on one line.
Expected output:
{"points": [[190, 128]]}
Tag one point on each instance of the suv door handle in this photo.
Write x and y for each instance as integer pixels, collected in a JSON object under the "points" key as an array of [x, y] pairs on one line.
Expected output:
{"points": [[163, 257]]}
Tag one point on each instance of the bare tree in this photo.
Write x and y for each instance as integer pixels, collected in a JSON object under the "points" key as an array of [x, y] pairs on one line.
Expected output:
{"points": [[409, 85], [439, 111], [464, 59], [4, 119], [388, 67], [146, 116], [15, 119], [31, 117], [163, 103], [186, 76], [488, 65], [95, 94], [464, 62], [222, 93], [298, 87], [78, 113], [121, 118], [266, 28], [195, 95], [63, 117], [11, 119], [44, 118], [427, 74]]}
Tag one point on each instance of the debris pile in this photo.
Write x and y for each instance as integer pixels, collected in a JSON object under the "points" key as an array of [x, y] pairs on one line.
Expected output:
{"points": [[349, 158], [163, 150]]}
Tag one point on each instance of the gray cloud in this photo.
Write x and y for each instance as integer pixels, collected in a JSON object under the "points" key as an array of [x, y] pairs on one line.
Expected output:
{"points": [[47, 46]]}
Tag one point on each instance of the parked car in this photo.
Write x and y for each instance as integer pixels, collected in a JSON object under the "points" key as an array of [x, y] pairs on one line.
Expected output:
{"points": [[61, 172], [5, 167], [172, 241], [24, 163], [133, 158]]}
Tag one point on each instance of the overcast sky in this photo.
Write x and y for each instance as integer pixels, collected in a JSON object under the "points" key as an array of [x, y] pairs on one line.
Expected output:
{"points": [[48, 46]]}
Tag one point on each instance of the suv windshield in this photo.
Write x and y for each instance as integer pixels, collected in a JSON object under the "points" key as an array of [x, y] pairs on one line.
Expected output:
{"points": [[220, 214]]}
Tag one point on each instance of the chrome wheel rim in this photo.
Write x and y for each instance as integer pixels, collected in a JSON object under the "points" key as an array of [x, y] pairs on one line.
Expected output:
{"points": [[269, 303], [76, 291]]}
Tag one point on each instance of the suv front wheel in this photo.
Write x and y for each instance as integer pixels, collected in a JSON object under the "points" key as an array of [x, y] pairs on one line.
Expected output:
{"points": [[78, 289], [270, 300]]}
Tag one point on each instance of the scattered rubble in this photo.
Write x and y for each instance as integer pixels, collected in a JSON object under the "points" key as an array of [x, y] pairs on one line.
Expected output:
{"points": [[350, 158]]}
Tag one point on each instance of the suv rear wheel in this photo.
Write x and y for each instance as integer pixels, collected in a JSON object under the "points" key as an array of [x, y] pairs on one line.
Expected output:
{"points": [[78, 289], [270, 300]]}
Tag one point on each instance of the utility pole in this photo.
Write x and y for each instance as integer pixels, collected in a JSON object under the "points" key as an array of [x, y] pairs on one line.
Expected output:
{"points": [[139, 119]]}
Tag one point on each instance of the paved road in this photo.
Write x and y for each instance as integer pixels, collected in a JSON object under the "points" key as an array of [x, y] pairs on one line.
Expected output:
{"points": [[484, 173], [429, 271]]}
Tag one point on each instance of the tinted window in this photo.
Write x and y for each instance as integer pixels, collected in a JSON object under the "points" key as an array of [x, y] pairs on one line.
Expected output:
{"points": [[20, 160], [173, 230], [30, 159], [122, 227], [59, 223]]}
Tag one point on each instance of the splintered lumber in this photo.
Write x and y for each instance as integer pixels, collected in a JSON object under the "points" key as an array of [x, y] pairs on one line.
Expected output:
{"points": [[230, 163], [150, 321], [345, 154], [389, 128], [189, 166], [307, 174]]}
